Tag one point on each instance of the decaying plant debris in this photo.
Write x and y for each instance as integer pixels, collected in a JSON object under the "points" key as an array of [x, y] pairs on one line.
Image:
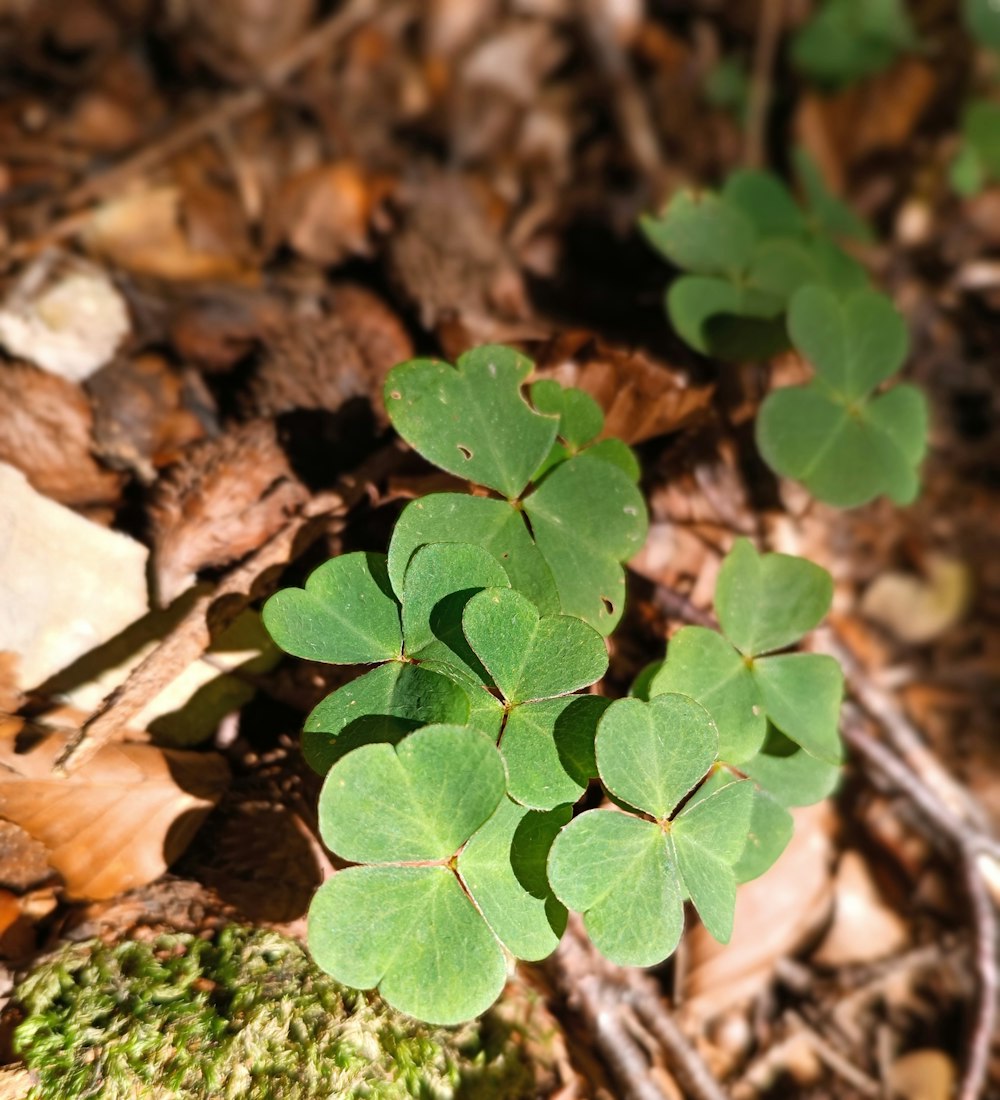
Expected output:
{"points": [[273, 204]]}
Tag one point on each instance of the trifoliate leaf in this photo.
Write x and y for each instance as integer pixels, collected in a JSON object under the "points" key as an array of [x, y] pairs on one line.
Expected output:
{"points": [[790, 774], [527, 655], [709, 837], [412, 933], [383, 705], [345, 615], [853, 344], [439, 582], [419, 800], [768, 601], [548, 748], [703, 234], [652, 754], [503, 868], [618, 871], [495, 525], [802, 693], [580, 416], [472, 419], [587, 517], [703, 664]]}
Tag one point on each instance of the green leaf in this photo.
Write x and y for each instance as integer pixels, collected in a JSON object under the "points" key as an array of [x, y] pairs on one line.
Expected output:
{"points": [[769, 601], [770, 830], [580, 417], [419, 800], [383, 705], [709, 837], [618, 872], [587, 517], [412, 933], [982, 18], [652, 754], [696, 304], [790, 774], [802, 693], [345, 615], [765, 201], [531, 656], [440, 581], [471, 419], [548, 748], [495, 525], [846, 40], [503, 867], [704, 665], [618, 454], [703, 234], [830, 214], [980, 123], [853, 344]]}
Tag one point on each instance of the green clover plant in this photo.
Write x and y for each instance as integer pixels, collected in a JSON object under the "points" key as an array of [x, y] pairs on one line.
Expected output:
{"points": [[453, 765], [745, 251], [847, 40], [846, 442]]}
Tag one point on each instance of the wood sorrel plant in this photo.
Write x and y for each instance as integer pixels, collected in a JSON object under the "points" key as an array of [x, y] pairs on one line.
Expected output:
{"points": [[452, 767]]}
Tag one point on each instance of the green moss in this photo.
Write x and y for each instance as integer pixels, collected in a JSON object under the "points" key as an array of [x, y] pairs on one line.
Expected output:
{"points": [[245, 1014]]}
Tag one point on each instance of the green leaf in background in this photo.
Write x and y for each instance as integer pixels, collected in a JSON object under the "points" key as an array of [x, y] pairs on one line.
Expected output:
{"points": [[652, 754], [472, 419], [345, 615], [617, 871], [412, 933], [843, 444], [764, 602], [829, 214], [982, 19], [588, 517], [978, 161], [846, 40], [495, 525], [503, 868], [419, 800], [548, 748], [703, 234], [769, 601], [383, 705], [531, 656], [440, 581], [765, 202]]}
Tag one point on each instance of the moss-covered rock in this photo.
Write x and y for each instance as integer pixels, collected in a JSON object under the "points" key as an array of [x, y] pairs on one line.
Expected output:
{"points": [[242, 1015]]}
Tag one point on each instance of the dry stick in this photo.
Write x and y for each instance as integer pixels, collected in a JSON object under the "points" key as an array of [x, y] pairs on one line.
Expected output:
{"points": [[192, 636], [229, 110], [759, 105]]}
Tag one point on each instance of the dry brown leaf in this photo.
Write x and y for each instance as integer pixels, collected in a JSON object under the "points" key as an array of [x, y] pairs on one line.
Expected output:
{"points": [[641, 397], [922, 1075], [219, 325], [46, 431], [224, 499], [119, 820], [16, 1083], [864, 928], [24, 862], [775, 915], [145, 233], [919, 609]]}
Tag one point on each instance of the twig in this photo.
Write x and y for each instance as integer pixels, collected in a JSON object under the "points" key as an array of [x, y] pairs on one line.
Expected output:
{"points": [[987, 942], [759, 102], [828, 1053], [193, 634], [225, 113]]}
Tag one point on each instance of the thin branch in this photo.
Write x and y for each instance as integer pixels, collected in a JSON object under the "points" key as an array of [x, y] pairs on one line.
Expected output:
{"points": [[761, 80]]}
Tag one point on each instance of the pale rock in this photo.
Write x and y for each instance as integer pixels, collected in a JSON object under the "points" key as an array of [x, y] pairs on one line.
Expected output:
{"points": [[66, 584]]}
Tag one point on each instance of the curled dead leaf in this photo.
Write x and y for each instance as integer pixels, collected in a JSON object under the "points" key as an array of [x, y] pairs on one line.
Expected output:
{"points": [[119, 820], [919, 609]]}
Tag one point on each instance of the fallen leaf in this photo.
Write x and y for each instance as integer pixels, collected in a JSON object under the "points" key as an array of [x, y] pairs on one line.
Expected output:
{"points": [[919, 609], [641, 397], [864, 928], [120, 819], [66, 584], [222, 500], [24, 862], [922, 1075], [70, 325]]}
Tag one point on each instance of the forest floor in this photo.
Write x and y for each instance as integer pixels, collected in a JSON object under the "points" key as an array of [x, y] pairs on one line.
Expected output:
{"points": [[221, 225]]}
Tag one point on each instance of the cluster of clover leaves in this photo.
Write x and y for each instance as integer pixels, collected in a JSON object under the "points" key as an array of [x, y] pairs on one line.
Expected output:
{"points": [[765, 274], [453, 766]]}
